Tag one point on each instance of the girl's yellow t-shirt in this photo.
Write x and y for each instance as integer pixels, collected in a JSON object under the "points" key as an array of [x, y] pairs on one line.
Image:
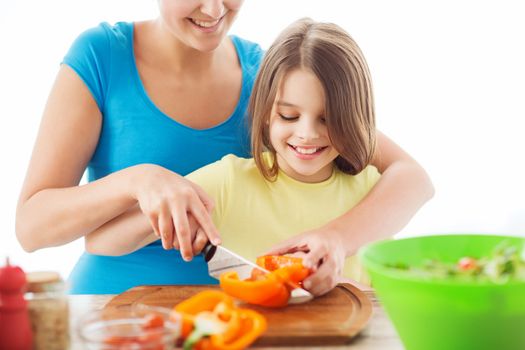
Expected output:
{"points": [[252, 214]]}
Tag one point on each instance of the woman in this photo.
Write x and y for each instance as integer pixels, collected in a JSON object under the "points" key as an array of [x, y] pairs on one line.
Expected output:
{"points": [[139, 105]]}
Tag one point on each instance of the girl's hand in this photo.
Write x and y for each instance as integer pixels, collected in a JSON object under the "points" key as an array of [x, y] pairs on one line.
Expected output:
{"points": [[322, 252], [171, 202]]}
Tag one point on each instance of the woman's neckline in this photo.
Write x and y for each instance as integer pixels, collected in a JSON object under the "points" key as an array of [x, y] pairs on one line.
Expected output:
{"points": [[172, 120]]}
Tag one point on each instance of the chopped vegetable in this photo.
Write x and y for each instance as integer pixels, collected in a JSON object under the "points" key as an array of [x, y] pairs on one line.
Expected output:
{"points": [[505, 263], [211, 321], [151, 337], [272, 289]]}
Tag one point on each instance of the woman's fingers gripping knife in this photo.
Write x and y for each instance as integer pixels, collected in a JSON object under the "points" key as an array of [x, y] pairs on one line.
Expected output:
{"points": [[202, 210], [182, 233], [190, 204]]}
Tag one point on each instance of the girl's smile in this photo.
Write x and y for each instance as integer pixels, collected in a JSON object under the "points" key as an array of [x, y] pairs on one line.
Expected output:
{"points": [[307, 152]]}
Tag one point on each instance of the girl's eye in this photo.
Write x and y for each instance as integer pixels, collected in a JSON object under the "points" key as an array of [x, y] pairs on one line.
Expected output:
{"points": [[287, 117], [323, 120]]}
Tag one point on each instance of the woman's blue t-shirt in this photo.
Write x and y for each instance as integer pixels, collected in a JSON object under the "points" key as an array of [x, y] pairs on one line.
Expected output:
{"points": [[135, 131]]}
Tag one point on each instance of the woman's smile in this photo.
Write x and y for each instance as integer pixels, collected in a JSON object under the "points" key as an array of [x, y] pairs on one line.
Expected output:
{"points": [[207, 26]]}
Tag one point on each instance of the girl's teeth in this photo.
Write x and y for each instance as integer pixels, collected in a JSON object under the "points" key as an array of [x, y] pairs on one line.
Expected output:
{"points": [[306, 150], [204, 24]]}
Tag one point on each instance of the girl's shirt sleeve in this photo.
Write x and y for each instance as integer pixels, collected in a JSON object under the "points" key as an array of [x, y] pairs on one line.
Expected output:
{"points": [[89, 56], [372, 176]]}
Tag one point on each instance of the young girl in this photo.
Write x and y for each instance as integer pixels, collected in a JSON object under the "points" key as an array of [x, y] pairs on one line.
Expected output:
{"points": [[137, 105], [313, 138]]}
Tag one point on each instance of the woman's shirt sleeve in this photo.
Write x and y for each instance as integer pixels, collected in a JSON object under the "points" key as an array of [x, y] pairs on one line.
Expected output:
{"points": [[89, 56]]}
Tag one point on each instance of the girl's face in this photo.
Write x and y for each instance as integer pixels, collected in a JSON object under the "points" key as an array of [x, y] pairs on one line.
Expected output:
{"points": [[298, 132], [200, 24]]}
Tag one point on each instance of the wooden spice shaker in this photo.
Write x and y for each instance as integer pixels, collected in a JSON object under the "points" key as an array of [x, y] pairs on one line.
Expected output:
{"points": [[48, 310]]}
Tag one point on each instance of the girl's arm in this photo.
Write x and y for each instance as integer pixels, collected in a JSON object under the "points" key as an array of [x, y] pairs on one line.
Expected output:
{"points": [[52, 208], [122, 235], [403, 188]]}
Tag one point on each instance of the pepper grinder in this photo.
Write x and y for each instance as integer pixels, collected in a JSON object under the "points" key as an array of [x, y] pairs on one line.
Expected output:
{"points": [[15, 332]]}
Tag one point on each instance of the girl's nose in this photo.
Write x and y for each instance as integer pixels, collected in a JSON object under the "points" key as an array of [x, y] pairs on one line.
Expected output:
{"points": [[307, 130], [213, 8]]}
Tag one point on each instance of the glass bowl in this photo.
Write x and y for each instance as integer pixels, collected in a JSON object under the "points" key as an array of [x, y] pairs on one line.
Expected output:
{"points": [[130, 327]]}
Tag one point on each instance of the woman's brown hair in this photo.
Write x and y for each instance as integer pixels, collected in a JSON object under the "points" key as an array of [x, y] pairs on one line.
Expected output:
{"points": [[334, 58]]}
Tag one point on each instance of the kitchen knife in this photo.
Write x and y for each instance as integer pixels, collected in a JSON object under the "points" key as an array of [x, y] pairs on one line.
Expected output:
{"points": [[220, 260]]}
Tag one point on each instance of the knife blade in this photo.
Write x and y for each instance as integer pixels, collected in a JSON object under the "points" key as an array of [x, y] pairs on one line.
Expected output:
{"points": [[221, 259]]}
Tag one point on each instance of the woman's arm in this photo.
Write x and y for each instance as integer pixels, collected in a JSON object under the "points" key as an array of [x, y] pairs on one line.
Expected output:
{"points": [[401, 191], [52, 208]]}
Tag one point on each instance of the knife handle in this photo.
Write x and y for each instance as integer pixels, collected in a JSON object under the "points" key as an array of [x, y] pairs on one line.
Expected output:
{"points": [[209, 251]]}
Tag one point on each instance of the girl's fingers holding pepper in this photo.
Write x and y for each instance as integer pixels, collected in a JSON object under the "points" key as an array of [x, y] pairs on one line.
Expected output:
{"points": [[289, 246], [326, 277]]}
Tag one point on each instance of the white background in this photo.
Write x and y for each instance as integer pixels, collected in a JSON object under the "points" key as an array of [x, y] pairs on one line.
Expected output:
{"points": [[449, 80]]}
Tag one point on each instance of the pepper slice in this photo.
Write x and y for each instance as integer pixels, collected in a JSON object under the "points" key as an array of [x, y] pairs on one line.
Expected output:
{"points": [[251, 291], [295, 266], [272, 289], [217, 324], [203, 301], [251, 325], [274, 262]]}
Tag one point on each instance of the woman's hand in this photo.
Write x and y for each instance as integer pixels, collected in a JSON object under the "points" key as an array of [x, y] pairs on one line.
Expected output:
{"points": [[322, 252], [178, 210]]}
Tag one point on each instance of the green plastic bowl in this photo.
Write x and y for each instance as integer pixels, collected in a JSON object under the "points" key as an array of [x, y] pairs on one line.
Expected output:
{"points": [[437, 314]]}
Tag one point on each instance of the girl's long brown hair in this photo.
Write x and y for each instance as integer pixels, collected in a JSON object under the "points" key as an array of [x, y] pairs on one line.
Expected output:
{"points": [[334, 58]]}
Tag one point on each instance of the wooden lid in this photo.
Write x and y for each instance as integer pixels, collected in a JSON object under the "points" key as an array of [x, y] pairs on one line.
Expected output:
{"points": [[38, 281]]}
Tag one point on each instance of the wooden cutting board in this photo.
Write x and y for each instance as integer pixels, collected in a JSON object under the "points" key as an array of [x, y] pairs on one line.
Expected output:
{"points": [[332, 319]]}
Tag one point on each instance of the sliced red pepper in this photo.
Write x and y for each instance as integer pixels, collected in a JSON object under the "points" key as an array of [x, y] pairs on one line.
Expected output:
{"points": [[153, 320], [152, 337]]}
